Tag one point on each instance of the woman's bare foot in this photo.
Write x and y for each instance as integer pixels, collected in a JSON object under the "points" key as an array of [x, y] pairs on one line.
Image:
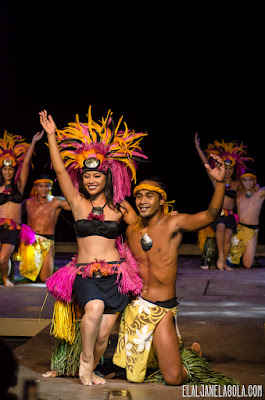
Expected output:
{"points": [[85, 371], [227, 268], [220, 264], [7, 282], [97, 380], [51, 374], [204, 267], [196, 347]]}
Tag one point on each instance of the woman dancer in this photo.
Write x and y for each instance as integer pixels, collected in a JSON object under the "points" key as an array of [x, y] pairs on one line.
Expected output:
{"points": [[234, 157], [15, 158], [96, 177]]}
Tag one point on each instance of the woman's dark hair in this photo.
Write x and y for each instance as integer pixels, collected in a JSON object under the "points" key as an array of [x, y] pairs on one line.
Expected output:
{"points": [[108, 189]]}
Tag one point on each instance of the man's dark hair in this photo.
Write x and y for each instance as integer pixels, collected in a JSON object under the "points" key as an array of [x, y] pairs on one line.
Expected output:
{"points": [[43, 176]]}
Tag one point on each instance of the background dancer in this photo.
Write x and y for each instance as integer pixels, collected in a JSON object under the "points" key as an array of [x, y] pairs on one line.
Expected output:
{"points": [[43, 210], [234, 157], [100, 163], [15, 159], [249, 202]]}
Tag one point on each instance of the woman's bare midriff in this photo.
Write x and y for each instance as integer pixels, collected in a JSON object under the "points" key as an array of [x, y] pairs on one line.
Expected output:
{"points": [[96, 248]]}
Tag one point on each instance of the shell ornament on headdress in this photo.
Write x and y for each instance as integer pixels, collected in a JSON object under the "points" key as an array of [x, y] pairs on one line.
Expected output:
{"points": [[231, 153], [13, 149], [101, 146]]}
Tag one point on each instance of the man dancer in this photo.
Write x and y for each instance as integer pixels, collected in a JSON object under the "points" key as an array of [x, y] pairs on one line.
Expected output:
{"points": [[148, 327], [43, 211], [249, 202]]}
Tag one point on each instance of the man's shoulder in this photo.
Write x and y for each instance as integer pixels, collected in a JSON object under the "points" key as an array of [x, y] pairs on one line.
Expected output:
{"points": [[131, 228], [30, 201]]}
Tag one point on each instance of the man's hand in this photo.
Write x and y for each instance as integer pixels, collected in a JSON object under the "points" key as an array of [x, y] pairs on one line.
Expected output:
{"points": [[38, 136], [218, 172], [47, 122]]}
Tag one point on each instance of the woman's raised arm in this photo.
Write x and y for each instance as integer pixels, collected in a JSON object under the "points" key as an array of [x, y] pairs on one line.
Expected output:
{"points": [[202, 156], [64, 179], [26, 163]]}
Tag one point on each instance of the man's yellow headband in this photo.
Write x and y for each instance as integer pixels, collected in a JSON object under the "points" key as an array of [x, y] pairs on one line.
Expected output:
{"points": [[44, 180], [248, 175], [151, 188], [157, 189]]}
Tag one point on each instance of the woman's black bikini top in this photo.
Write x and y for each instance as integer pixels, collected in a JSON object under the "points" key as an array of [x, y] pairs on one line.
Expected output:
{"points": [[230, 193], [107, 229], [15, 197]]}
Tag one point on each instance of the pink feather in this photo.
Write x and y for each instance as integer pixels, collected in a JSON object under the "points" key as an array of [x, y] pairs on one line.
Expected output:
{"points": [[27, 235], [128, 277], [61, 283]]}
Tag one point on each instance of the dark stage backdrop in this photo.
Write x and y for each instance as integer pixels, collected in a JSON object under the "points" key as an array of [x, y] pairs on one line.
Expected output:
{"points": [[171, 83]]}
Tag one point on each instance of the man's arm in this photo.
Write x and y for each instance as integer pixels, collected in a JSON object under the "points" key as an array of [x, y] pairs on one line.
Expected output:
{"points": [[63, 203], [194, 222], [129, 215], [188, 222], [262, 192]]}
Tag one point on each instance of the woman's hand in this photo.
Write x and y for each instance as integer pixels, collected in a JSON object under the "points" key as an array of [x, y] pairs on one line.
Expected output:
{"points": [[47, 122], [197, 141], [37, 136]]}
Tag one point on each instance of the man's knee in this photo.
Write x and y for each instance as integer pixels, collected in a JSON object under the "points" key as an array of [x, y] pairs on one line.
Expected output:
{"points": [[247, 263], [173, 377]]}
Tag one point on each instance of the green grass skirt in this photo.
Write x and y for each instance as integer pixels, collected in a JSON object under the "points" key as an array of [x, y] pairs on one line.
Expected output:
{"points": [[199, 371], [65, 360], [65, 356]]}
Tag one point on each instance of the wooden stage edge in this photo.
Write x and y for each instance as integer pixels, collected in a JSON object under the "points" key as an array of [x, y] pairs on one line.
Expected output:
{"points": [[185, 249]]}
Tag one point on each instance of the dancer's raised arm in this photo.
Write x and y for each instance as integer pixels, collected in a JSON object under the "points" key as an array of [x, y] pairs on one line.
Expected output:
{"points": [[26, 163], [65, 182], [202, 156]]}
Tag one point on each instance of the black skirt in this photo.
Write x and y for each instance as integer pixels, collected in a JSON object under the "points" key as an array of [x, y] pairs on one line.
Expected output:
{"points": [[8, 236], [104, 288], [229, 221]]}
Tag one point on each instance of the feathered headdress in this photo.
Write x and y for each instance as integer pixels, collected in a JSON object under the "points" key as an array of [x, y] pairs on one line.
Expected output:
{"points": [[102, 146], [13, 149], [231, 153]]}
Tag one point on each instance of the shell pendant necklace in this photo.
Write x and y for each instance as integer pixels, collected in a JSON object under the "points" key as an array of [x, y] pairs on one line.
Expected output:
{"points": [[97, 213], [146, 241], [97, 210]]}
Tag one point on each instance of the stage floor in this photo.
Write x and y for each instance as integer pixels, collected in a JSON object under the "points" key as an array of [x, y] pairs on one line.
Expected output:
{"points": [[223, 311]]}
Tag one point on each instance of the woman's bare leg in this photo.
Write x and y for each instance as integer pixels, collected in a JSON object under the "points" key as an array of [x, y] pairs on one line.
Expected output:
{"points": [[5, 254], [90, 326], [220, 237], [227, 245], [106, 326]]}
